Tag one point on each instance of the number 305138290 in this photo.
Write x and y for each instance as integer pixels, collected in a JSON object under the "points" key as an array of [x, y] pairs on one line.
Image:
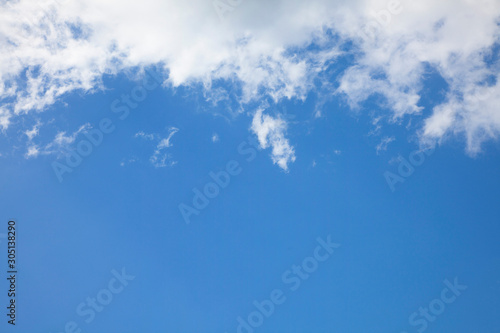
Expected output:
{"points": [[11, 237]]}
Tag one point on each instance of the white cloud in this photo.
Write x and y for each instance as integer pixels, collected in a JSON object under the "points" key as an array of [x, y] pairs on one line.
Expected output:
{"points": [[78, 41], [260, 46], [145, 136], [452, 37], [62, 140], [160, 157], [271, 133], [33, 151], [33, 132], [165, 143], [4, 118], [215, 137], [382, 146], [475, 114], [60, 145]]}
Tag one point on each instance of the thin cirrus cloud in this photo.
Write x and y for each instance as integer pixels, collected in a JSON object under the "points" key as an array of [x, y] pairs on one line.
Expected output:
{"points": [[60, 145], [161, 157], [384, 143], [51, 48], [146, 136]]}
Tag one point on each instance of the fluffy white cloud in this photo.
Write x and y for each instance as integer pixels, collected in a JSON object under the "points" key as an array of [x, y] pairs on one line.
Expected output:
{"points": [[475, 113], [453, 38], [53, 47]]}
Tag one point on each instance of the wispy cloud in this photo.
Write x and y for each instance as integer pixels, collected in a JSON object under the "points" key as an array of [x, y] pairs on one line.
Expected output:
{"points": [[384, 143], [62, 139], [145, 136], [271, 133], [161, 158], [215, 138], [128, 161], [60, 145], [33, 132]]}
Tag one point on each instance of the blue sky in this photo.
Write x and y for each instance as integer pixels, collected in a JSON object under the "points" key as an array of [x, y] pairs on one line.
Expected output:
{"points": [[360, 178]]}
